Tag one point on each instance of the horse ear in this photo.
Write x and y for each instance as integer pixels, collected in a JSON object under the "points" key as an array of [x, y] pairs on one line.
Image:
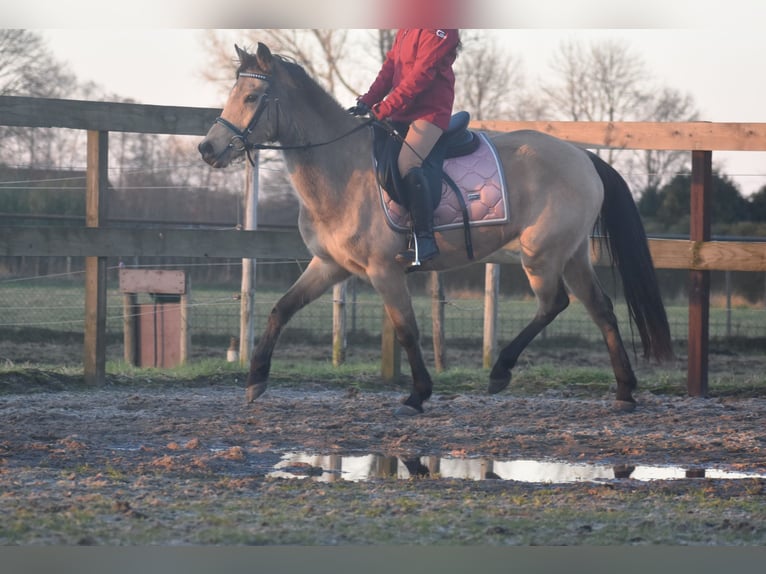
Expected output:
{"points": [[263, 55], [241, 54]]}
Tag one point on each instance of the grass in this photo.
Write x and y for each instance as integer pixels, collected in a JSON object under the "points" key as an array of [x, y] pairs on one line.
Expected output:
{"points": [[49, 313], [293, 366], [253, 511]]}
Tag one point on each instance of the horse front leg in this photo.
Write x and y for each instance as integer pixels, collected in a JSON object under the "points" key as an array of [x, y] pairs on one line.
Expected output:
{"points": [[392, 287], [408, 336], [319, 276]]}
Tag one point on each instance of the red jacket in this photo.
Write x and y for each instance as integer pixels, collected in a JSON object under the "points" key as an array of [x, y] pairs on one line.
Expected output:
{"points": [[416, 79]]}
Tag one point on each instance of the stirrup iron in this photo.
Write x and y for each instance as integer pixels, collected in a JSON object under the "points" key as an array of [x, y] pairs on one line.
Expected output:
{"points": [[416, 261], [411, 254]]}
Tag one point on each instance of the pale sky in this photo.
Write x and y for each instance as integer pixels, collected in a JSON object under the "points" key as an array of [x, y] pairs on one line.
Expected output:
{"points": [[712, 49]]}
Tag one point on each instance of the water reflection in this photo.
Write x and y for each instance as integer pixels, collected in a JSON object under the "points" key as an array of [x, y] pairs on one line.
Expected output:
{"points": [[328, 468]]}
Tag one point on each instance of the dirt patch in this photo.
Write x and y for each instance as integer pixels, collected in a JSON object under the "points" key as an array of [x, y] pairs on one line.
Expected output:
{"points": [[156, 462], [207, 426]]}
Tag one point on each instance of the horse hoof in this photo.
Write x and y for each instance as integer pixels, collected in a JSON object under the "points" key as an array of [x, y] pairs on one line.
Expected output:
{"points": [[407, 411], [624, 406], [498, 384], [254, 391]]}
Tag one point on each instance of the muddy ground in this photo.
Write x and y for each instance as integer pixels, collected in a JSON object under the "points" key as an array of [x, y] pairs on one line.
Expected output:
{"points": [[132, 444]]}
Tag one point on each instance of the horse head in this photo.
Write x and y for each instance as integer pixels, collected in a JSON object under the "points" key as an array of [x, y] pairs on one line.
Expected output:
{"points": [[250, 115]]}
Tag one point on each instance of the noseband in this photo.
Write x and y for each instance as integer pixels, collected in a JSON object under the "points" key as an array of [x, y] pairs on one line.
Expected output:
{"points": [[239, 141]]}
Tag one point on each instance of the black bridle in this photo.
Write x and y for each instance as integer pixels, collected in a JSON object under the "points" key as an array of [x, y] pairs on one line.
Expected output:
{"points": [[239, 140]]}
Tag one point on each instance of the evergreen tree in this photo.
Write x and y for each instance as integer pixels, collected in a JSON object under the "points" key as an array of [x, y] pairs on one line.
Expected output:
{"points": [[758, 205], [673, 204]]}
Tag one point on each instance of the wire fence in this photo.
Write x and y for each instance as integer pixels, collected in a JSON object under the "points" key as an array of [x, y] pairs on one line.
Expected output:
{"points": [[47, 310]]}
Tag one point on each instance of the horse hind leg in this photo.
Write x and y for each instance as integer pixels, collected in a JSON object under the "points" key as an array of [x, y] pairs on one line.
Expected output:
{"points": [[581, 279], [552, 299]]}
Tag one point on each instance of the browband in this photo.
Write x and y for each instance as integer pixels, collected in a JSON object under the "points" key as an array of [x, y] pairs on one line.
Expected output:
{"points": [[255, 75]]}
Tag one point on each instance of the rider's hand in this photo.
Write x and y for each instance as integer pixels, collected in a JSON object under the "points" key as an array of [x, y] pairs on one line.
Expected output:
{"points": [[360, 109]]}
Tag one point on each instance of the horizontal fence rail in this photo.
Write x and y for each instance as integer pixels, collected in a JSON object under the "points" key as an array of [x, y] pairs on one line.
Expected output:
{"points": [[287, 244], [687, 136], [105, 116], [111, 242], [97, 241]]}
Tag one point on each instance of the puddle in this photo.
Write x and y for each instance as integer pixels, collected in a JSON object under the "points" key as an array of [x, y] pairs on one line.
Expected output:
{"points": [[328, 468], [334, 467]]}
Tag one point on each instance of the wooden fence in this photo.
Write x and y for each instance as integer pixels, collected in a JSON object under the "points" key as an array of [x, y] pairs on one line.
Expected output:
{"points": [[97, 240]]}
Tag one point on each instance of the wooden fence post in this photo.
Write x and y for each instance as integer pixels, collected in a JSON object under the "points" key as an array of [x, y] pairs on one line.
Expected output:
{"points": [[339, 341], [491, 288], [390, 351], [437, 321], [129, 331], [699, 281], [97, 180], [185, 302]]}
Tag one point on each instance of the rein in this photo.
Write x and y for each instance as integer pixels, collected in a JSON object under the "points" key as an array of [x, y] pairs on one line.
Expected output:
{"points": [[240, 137]]}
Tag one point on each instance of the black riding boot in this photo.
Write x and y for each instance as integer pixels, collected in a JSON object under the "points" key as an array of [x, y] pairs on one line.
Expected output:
{"points": [[422, 212]]}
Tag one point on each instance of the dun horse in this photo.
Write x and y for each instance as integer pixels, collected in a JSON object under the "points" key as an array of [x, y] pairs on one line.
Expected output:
{"points": [[557, 194]]}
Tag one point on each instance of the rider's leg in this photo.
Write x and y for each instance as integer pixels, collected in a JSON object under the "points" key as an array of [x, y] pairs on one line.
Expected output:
{"points": [[420, 140]]}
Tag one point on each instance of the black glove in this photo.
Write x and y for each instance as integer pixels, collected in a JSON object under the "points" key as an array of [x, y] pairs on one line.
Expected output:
{"points": [[360, 109]]}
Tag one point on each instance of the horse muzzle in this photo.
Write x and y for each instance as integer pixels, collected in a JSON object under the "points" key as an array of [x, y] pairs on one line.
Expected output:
{"points": [[212, 157]]}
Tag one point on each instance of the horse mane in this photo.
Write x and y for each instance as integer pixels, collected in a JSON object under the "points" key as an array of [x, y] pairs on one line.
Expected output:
{"points": [[298, 77]]}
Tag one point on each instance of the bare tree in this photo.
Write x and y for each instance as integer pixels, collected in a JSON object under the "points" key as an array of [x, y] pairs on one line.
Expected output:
{"points": [[385, 42], [489, 81], [599, 82], [657, 166], [28, 68], [328, 56], [607, 81], [219, 64]]}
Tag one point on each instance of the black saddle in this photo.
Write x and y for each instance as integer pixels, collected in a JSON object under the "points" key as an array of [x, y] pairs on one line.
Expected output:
{"points": [[457, 141]]}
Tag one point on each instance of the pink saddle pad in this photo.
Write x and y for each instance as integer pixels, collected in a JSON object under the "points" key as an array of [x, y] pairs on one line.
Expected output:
{"points": [[480, 179]]}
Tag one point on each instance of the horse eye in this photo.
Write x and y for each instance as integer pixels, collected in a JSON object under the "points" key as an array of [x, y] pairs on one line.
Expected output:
{"points": [[250, 98]]}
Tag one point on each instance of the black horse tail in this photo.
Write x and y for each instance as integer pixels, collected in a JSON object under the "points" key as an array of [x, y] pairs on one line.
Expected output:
{"points": [[629, 250]]}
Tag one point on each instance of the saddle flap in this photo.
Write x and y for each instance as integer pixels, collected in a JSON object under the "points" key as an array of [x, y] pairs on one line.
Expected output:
{"points": [[482, 184]]}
